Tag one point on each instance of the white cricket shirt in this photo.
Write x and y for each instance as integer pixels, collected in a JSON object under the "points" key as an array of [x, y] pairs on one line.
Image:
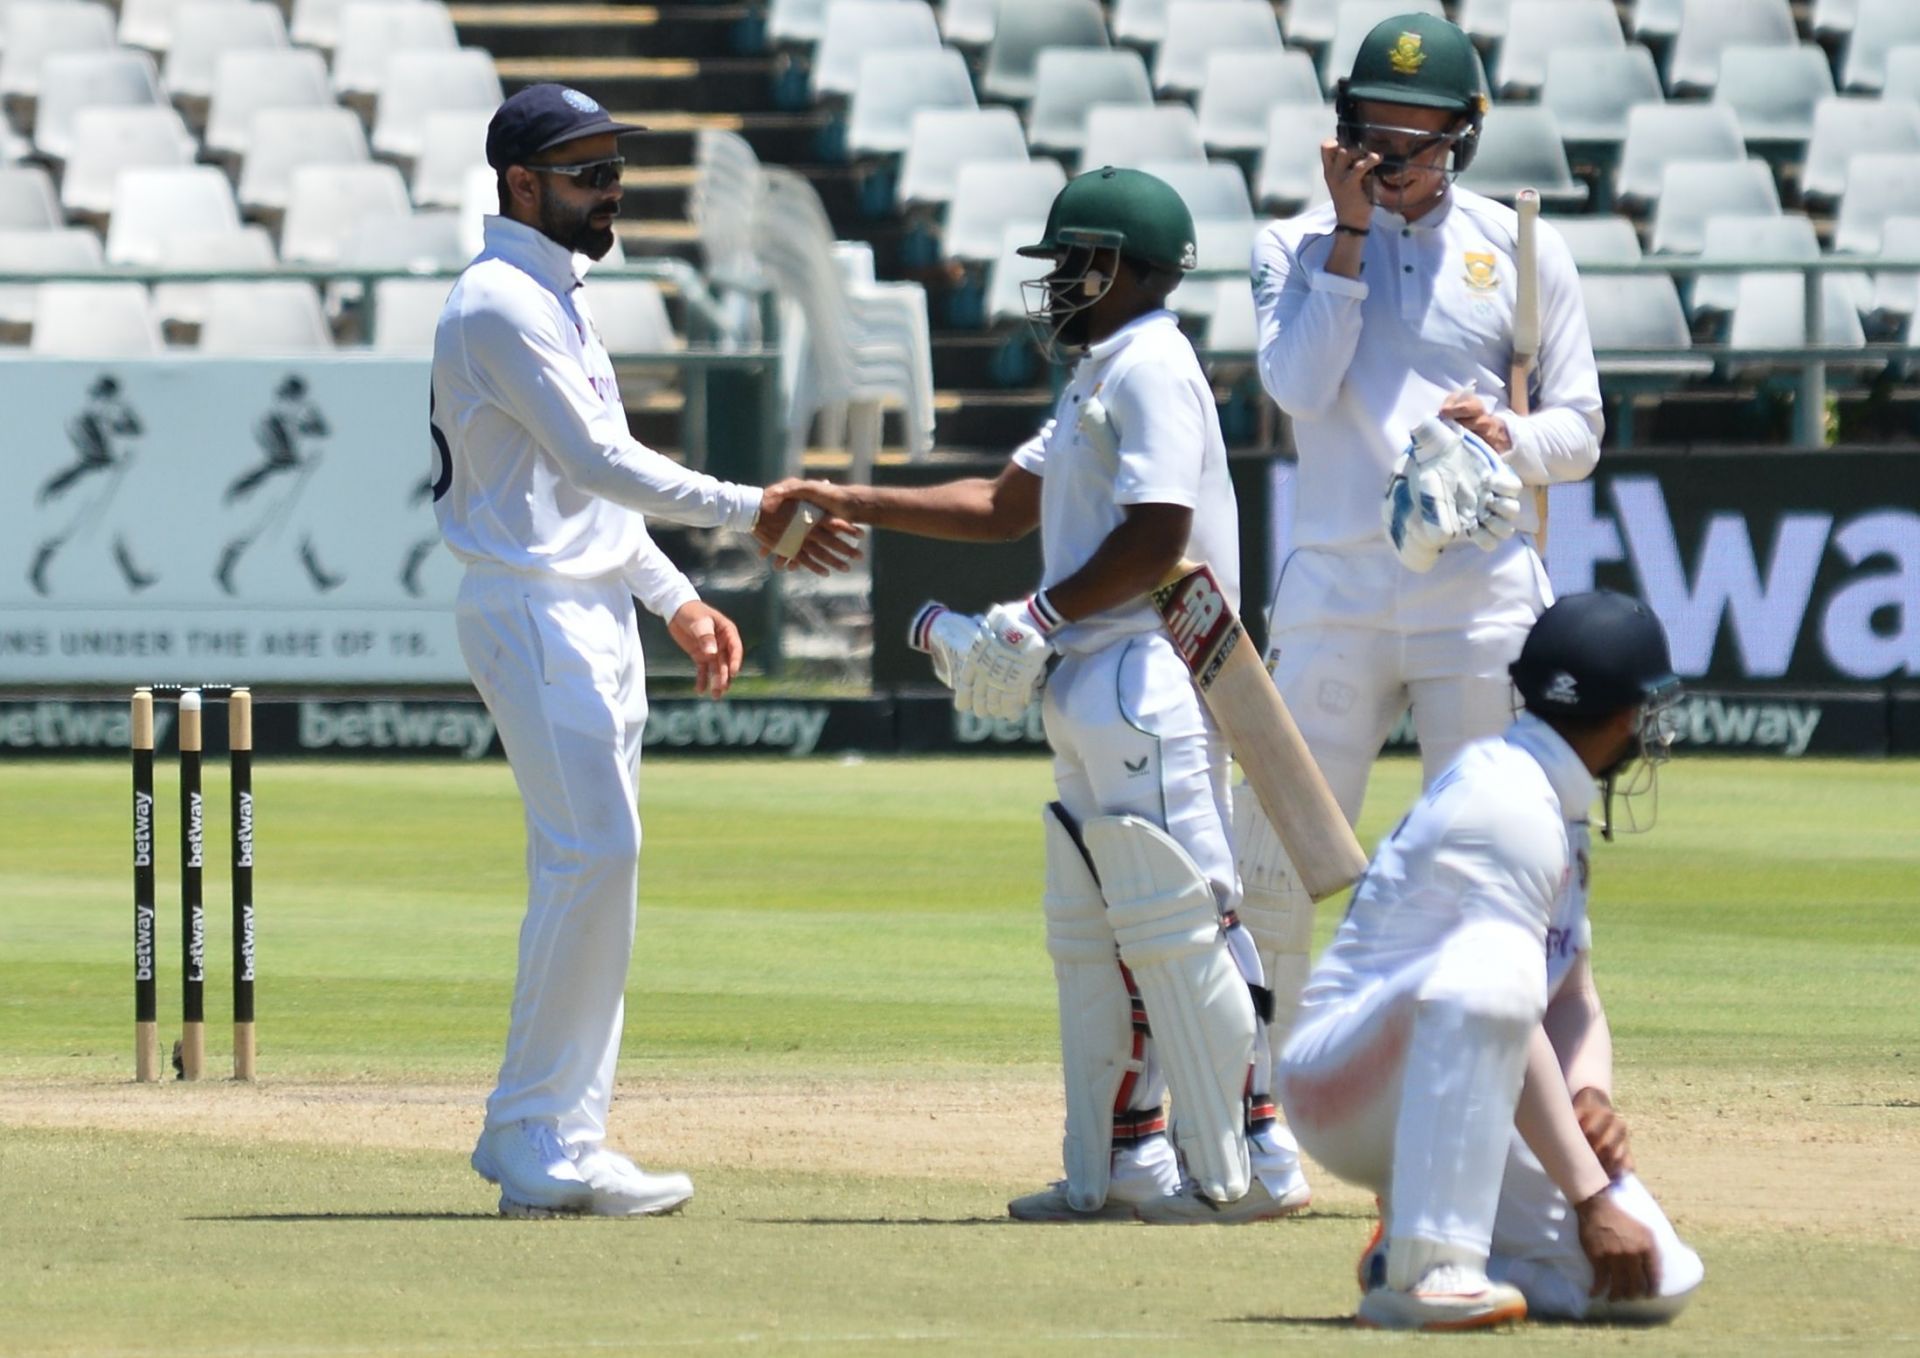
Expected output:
{"points": [[1501, 834], [1166, 449], [1359, 362], [534, 467]]}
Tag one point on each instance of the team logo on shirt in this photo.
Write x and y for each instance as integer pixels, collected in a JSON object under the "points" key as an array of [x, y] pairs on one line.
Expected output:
{"points": [[1481, 273], [1407, 58]]}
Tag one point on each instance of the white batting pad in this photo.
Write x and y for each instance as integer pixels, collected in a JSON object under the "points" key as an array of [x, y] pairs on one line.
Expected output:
{"points": [[1168, 927], [1276, 909], [1096, 1017]]}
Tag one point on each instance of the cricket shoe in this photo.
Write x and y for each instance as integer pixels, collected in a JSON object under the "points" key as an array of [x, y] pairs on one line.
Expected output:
{"points": [[1125, 1202], [535, 1174], [622, 1189], [1450, 1297], [1370, 1270], [1190, 1207]]}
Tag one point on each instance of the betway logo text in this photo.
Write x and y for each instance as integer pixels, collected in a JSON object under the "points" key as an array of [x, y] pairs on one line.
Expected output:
{"points": [[464, 727], [793, 727], [76, 726], [1741, 724]]}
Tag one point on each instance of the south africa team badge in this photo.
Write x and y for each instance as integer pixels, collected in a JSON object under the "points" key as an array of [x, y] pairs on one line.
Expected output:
{"points": [[1481, 274]]}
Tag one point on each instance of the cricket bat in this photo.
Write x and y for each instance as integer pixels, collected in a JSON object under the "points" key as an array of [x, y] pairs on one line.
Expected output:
{"points": [[1526, 333], [1239, 692]]}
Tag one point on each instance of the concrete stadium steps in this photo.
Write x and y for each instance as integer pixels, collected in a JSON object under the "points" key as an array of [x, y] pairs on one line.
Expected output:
{"points": [[674, 83], [517, 28]]}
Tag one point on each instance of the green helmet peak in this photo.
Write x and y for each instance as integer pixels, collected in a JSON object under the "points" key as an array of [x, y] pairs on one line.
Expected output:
{"points": [[1129, 210]]}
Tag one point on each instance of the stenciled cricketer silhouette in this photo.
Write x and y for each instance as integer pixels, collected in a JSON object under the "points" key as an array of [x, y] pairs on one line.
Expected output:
{"points": [[102, 436], [286, 437]]}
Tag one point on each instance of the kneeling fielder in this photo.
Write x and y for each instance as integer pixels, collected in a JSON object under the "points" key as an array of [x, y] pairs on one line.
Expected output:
{"points": [[1439, 1062]]}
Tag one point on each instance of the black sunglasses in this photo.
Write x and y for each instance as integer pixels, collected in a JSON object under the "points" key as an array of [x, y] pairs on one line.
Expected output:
{"points": [[592, 174]]}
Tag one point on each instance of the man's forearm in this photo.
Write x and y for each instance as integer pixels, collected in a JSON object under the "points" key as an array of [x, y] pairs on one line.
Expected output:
{"points": [[1546, 1122], [1135, 557], [962, 511]]}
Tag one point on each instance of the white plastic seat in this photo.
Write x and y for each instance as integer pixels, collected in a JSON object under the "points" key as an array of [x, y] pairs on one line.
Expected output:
{"points": [[1213, 190], [1024, 28], [857, 27], [1770, 312], [149, 23], [1070, 80], [76, 80], [325, 203], [1896, 292], [33, 30], [892, 85], [1356, 19], [1709, 27], [1834, 18], [1903, 73], [284, 139], [206, 251], [1774, 90], [1589, 93], [1010, 269], [479, 197], [94, 320], [1536, 29], [1239, 88], [1640, 311], [1521, 147], [417, 84], [71, 249], [1124, 135], [940, 140], [406, 312], [796, 21], [1598, 239], [1139, 23], [107, 141], [249, 80], [1880, 26], [1233, 327], [1656, 18], [275, 317], [203, 29], [1879, 186], [1485, 21], [968, 23], [151, 205], [1658, 133], [1735, 236], [1310, 24], [1290, 176], [452, 144], [1692, 191], [316, 23], [632, 316], [1844, 128], [987, 195], [27, 200], [372, 33], [420, 241], [1220, 245], [1198, 28], [725, 203]]}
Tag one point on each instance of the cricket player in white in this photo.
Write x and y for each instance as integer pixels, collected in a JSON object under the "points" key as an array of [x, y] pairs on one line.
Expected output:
{"points": [[1388, 305], [1129, 476], [540, 489], [1451, 1053]]}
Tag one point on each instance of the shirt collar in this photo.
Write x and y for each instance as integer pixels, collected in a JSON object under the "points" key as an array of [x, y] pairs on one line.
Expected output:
{"points": [[1571, 779], [547, 261], [1432, 221], [1113, 343]]}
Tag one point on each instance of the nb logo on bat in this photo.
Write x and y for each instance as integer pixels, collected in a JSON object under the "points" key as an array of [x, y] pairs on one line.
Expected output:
{"points": [[1195, 614]]}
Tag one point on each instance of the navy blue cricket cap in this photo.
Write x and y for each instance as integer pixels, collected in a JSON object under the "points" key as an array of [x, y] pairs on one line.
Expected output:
{"points": [[543, 116]]}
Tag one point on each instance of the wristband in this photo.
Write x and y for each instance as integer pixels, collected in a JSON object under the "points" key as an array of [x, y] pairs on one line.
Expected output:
{"points": [[1045, 616], [1342, 229]]}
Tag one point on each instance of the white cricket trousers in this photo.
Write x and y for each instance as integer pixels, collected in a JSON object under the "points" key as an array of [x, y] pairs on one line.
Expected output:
{"points": [[558, 663]]}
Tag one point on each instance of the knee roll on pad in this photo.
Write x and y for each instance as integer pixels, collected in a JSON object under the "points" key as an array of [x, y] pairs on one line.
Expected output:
{"points": [[1167, 925], [1096, 1015]]}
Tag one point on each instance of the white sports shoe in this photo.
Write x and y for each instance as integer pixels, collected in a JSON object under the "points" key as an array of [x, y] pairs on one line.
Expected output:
{"points": [[622, 1189], [1050, 1203], [531, 1166], [1190, 1207], [1450, 1297]]}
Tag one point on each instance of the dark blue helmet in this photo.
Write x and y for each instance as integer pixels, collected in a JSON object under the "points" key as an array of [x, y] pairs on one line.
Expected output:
{"points": [[1594, 654]]}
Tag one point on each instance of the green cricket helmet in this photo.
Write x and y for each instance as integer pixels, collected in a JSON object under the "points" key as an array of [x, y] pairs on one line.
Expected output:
{"points": [[1128, 210], [1421, 60]]}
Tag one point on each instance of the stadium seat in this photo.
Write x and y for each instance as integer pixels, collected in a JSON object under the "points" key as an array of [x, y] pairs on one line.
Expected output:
{"points": [[1844, 128], [1770, 312], [149, 23], [250, 80], [987, 195], [1355, 20], [250, 247], [94, 320], [151, 205], [796, 22], [420, 241], [203, 29], [70, 249], [1879, 186], [27, 200], [1198, 28], [1123, 135], [284, 139], [1222, 245], [1070, 80], [1024, 29], [1709, 27], [417, 84], [452, 144], [1213, 190], [1589, 93], [1774, 90], [325, 203], [941, 140], [1233, 327], [316, 23], [1693, 190], [33, 30], [1657, 19], [724, 204], [892, 85], [1895, 294], [371, 33], [1290, 177], [1485, 21], [856, 27], [1010, 269], [1598, 239], [1239, 88], [1536, 29], [1833, 18], [406, 312], [1640, 311], [109, 140], [1903, 73], [1881, 26], [1775, 236], [479, 198], [76, 80], [1658, 133], [632, 316], [968, 23], [1521, 147], [276, 317]]}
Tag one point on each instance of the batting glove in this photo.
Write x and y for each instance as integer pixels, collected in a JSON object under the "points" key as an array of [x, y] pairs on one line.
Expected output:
{"points": [[1003, 668]]}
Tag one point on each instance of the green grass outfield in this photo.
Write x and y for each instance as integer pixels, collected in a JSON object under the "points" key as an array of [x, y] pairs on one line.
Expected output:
{"points": [[841, 1021]]}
